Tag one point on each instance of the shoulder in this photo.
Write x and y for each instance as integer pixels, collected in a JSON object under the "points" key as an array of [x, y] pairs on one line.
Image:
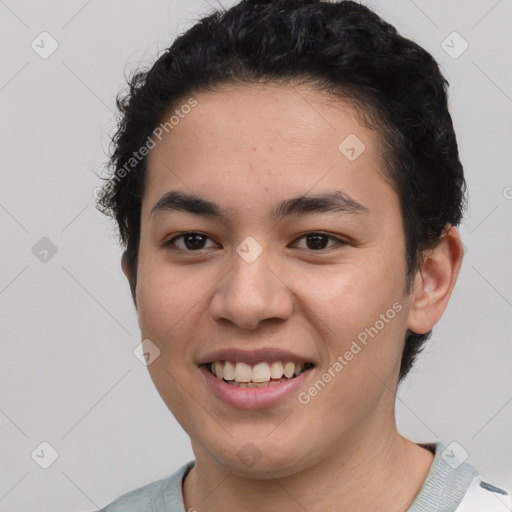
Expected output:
{"points": [[456, 486], [139, 499], [153, 496], [482, 495]]}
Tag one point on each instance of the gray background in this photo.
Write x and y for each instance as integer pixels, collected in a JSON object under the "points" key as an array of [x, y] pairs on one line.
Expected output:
{"points": [[68, 373]]}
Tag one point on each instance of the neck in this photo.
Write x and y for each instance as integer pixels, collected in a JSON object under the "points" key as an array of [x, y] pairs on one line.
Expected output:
{"points": [[374, 468]]}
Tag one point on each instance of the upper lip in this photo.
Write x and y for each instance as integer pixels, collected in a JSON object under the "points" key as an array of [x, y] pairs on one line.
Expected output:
{"points": [[253, 356]]}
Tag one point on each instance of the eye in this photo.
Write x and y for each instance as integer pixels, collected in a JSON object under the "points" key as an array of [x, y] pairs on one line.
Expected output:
{"points": [[192, 241], [317, 241]]}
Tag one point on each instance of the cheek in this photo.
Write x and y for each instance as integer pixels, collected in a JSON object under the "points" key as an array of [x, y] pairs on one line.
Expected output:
{"points": [[165, 297], [352, 294], [164, 306], [360, 311]]}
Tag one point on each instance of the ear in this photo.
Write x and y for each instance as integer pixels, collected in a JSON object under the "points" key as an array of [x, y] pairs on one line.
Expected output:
{"points": [[434, 282], [131, 279]]}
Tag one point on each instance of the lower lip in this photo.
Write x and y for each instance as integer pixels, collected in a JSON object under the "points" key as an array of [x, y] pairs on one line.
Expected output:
{"points": [[253, 398]]}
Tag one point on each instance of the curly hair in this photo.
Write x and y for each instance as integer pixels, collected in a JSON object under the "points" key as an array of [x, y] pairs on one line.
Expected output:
{"points": [[342, 48]]}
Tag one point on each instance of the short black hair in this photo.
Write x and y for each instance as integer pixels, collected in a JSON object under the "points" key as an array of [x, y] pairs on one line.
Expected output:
{"points": [[342, 48]]}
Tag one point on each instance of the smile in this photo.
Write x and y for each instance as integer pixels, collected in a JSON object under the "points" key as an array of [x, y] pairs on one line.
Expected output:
{"points": [[261, 385], [259, 375]]}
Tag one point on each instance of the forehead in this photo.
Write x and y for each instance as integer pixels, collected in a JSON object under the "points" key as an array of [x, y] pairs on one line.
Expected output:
{"points": [[241, 142], [297, 120]]}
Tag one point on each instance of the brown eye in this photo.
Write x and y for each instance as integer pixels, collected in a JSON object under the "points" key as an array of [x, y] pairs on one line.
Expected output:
{"points": [[319, 241], [192, 241]]}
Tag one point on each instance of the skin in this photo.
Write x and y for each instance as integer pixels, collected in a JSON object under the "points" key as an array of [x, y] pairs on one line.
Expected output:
{"points": [[248, 148]]}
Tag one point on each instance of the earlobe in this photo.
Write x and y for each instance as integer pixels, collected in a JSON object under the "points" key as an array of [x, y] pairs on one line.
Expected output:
{"points": [[124, 265], [434, 282], [127, 272]]}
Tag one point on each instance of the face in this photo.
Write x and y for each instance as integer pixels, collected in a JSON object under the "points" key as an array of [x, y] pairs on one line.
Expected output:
{"points": [[315, 283]]}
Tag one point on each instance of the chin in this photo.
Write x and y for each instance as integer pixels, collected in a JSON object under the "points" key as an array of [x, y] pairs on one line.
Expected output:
{"points": [[260, 460]]}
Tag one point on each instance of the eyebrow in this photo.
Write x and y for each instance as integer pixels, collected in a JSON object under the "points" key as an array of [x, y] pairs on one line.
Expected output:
{"points": [[335, 202]]}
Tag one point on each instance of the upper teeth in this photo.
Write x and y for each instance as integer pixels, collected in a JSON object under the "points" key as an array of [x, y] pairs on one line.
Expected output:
{"points": [[261, 372]]}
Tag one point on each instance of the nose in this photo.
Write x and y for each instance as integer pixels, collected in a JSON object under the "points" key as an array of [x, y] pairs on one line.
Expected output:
{"points": [[250, 293]]}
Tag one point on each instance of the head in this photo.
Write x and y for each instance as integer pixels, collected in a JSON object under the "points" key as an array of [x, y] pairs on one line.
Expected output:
{"points": [[254, 106]]}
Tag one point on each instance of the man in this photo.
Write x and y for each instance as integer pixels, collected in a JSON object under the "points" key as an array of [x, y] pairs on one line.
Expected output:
{"points": [[287, 185]]}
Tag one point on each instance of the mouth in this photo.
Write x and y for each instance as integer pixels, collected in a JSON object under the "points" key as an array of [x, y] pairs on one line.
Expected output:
{"points": [[260, 375]]}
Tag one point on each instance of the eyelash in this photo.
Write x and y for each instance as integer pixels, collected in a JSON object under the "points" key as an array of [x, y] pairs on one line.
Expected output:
{"points": [[170, 243]]}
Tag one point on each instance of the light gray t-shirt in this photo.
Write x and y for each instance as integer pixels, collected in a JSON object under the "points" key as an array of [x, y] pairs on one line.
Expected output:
{"points": [[450, 486]]}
